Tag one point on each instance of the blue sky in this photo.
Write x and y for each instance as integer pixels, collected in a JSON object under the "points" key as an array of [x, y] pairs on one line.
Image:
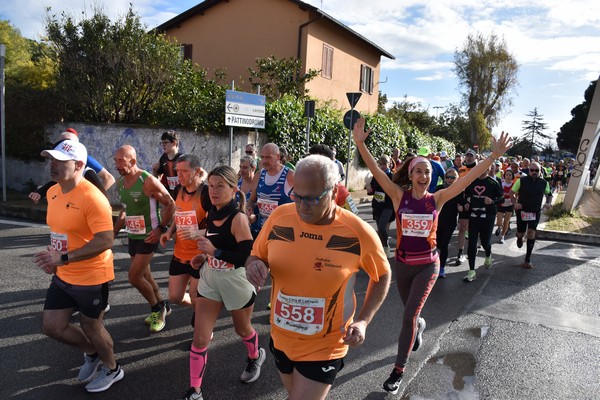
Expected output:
{"points": [[556, 43]]}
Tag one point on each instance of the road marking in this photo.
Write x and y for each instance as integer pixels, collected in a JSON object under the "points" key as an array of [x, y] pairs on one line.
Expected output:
{"points": [[17, 223]]}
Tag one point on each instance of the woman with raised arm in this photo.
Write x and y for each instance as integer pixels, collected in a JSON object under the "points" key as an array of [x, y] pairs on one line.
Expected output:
{"points": [[417, 259]]}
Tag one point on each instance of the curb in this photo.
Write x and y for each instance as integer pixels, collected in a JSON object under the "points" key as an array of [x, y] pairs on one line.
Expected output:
{"points": [[571, 237], [20, 212]]}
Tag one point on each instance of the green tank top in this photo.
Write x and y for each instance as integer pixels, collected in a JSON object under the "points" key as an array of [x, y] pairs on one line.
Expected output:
{"points": [[141, 211]]}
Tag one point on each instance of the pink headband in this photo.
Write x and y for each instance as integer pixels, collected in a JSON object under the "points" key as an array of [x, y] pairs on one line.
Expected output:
{"points": [[415, 161]]}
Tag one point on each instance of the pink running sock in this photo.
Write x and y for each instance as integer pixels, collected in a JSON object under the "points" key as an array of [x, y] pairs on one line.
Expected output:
{"points": [[251, 343], [197, 365]]}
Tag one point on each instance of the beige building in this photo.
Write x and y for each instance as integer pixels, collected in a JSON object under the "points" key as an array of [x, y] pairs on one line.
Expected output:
{"points": [[232, 34]]}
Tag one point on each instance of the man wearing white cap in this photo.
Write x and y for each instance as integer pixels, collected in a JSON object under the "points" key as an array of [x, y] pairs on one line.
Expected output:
{"points": [[80, 261], [444, 161]]}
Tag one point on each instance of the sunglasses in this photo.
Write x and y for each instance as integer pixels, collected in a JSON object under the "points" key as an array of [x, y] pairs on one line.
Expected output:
{"points": [[534, 170], [249, 152], [451, 177], [166, 142]]}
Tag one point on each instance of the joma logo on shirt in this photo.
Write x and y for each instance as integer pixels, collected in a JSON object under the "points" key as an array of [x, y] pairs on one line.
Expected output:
{"points": [[311, 236]]}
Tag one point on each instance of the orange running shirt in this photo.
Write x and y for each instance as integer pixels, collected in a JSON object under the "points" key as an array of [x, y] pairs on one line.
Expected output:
{"points": [[313, 270], [73, 219], [189, 214]]}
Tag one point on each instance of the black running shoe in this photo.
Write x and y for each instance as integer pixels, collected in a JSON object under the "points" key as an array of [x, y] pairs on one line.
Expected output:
{"points": [[498, 232], [519, 242], [392, 384]]}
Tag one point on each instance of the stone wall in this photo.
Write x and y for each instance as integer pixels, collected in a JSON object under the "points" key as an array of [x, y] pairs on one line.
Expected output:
{"points": [[102, 141]]}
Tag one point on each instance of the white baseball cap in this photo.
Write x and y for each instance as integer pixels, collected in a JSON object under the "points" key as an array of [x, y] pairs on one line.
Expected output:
{"points": [[67, 150]]}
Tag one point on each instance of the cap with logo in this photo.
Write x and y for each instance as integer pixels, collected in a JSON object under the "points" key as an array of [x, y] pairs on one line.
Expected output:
{"points": [[67, 150]]}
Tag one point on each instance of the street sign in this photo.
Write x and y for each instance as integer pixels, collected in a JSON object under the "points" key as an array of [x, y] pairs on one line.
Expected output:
{"points": [[245, 110], [353, 98], [350, 118]]}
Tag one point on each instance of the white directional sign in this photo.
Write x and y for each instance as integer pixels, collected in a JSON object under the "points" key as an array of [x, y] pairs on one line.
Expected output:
{"points": [[245, 110]]}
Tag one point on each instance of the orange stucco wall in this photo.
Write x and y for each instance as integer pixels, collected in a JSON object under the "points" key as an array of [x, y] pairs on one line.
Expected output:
{"points": [[232, 34], [348, 56]]}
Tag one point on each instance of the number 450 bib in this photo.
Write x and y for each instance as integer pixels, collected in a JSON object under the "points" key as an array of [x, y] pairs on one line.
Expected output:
{"points": [[299, 314]]}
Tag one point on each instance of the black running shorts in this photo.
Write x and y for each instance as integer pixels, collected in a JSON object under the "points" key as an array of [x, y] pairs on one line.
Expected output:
{"points": [[138, 246], [319, 371], [89, 300], [177, 267]]}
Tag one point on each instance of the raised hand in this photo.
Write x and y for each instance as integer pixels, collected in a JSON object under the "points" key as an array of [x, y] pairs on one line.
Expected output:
{"points": [[358, 132], [501, 145]]}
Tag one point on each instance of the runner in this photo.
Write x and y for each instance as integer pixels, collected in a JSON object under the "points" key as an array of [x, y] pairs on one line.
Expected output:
{"points": [[463, 216], [560, 176], [164, 169], [271, 187], [313, 250], [191, 203], [223, 282], [417, 260], [447, 219], [140, 194], [527, 194], [343, 198], [482, 195], [94, 171], [338, 163], [505, 210], [80, 261], [383, 209]]}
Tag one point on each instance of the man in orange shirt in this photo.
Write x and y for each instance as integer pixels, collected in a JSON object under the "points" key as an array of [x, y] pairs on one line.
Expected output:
{"points": [[81, 263], [313, 250]]}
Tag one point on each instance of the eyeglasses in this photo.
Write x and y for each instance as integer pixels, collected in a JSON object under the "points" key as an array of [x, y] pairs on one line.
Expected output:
{"points": [[249, 152], [310, 201], [451, 177], [165, 142]]}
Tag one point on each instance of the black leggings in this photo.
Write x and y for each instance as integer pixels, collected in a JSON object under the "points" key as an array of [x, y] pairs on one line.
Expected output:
{"points": [[444, 235], [414, 284], [480, 228], [382, 218]]}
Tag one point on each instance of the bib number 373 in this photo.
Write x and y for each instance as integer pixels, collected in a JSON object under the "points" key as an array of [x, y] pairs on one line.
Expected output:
{"points": [[302, 315]]}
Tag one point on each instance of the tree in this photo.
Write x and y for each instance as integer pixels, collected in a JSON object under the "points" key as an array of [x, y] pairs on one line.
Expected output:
{"points": [[488, 73], [27, 61], [534, 131], [280, 76], [569, 136], [110, 72]]}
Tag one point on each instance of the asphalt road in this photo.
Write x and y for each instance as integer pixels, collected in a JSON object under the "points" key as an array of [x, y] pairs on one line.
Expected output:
{"points": [[510, 334]]}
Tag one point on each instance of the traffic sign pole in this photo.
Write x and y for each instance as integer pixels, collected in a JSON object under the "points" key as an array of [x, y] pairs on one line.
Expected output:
{"points": [[353, 98], [231, 135]]}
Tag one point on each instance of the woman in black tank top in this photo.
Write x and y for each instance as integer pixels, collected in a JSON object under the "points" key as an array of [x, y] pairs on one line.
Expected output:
{"points": [[223, 281]]}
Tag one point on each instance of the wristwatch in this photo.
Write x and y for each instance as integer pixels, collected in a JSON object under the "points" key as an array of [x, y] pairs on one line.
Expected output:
{"points": [[163, 228], [64, 258]]}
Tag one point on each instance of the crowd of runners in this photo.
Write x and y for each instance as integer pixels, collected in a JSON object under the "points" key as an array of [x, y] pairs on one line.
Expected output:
{"points": [[297, 225]]}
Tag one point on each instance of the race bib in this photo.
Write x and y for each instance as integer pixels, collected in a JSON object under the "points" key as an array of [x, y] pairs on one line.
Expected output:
{"points": [[59, 242], [266, 207], [136, 224], [528, 216], [379, 197], [304, 315], [560, 173], [350, 206], [172, 181], [417, 225], [187, 221], [219, 265]]}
